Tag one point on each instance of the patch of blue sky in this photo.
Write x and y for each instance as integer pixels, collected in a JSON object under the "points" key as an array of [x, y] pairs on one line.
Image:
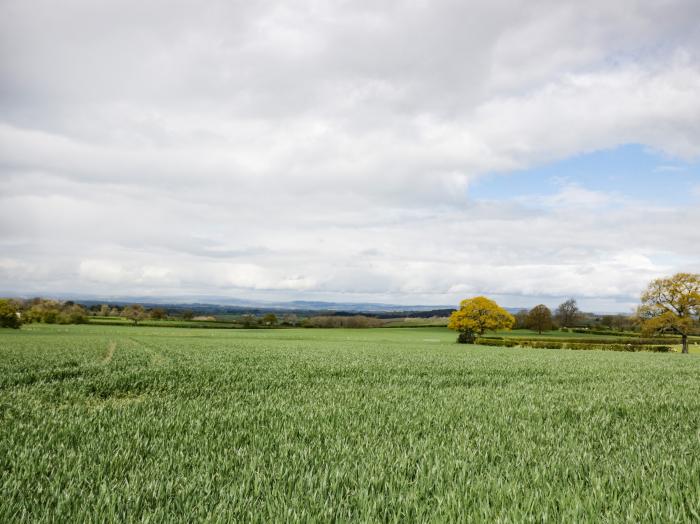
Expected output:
{"points": [[632, 171]]}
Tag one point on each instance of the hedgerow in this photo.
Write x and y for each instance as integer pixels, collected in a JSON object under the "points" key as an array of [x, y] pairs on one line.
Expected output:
{"points": [[567, 344]]}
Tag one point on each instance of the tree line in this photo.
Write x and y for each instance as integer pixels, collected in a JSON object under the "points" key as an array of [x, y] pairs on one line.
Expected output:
{"points": [[668, 306], [567, 315], [15, 312]]}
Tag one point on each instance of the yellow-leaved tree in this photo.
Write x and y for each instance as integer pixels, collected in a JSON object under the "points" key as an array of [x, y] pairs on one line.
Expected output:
{"points": [[477, 315], [671, 305]]}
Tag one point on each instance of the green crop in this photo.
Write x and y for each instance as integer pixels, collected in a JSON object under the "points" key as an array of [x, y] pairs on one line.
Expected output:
{"points": [[117, 423]]}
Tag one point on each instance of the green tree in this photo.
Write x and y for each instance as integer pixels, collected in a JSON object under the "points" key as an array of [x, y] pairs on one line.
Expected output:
{"points": [[249, 320], [50, 316], [623, 322], [44, 310], [270, 319], [607, 321], [158, 313], [477, 315], [671, 305], [73, 314], [520, 319], [187, 314], [9, 315], [539, 318]]}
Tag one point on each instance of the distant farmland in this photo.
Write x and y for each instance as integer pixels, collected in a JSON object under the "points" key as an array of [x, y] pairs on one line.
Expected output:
{"points": [[163, 424]]}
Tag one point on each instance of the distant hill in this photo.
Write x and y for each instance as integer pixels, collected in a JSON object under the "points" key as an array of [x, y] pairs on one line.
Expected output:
{"points": [[212, 305], [222, 305]]}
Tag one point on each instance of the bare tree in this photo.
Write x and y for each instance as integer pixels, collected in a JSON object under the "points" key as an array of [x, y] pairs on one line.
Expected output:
{"points": [[290, 319], [135, 313], [568, 313]]}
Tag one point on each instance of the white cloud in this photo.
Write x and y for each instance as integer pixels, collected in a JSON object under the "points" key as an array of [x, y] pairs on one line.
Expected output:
{"points": [[106, 271], [254, 148], [573, 196]]}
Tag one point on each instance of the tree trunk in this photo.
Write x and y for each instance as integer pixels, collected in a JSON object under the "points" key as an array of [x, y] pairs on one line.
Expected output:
{"points": [[684, 339]]}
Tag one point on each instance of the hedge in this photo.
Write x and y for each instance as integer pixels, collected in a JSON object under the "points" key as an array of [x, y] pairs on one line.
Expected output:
{"points": [[600, 341], [546, 344]]}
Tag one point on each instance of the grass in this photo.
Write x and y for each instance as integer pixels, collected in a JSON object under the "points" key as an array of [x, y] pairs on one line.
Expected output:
{"points": [[115, 423]]}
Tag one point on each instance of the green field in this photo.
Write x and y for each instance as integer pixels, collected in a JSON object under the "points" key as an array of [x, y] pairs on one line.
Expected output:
{"points": [[117, 423]]}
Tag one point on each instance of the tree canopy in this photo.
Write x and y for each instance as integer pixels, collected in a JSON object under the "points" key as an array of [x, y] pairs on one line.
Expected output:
{"points": [[135, 313], [539, 318], [671, 305], [568, 313], [9, 315], [270, 319], [477, 315], [158, 313]]}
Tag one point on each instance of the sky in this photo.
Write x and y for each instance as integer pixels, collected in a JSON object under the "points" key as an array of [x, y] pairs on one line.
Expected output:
{"points": [[371, 151]]}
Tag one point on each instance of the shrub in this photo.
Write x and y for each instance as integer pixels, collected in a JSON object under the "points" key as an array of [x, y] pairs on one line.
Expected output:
{"points": [[9, 315], [50, 316], [248, 321], [620, 347], [52, 312], [465, 337], [541, 344], [496, 342], [354, 321], [608, 332], [557, 344], [633, 341], [74, 315]]}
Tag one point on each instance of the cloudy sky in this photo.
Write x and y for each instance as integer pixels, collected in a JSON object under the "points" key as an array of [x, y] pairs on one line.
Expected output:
{"points": [[404, 152]]}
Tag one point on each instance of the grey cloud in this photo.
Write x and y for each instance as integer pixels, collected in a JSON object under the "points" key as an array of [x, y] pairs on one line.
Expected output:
{"points": [[259, 147]]}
